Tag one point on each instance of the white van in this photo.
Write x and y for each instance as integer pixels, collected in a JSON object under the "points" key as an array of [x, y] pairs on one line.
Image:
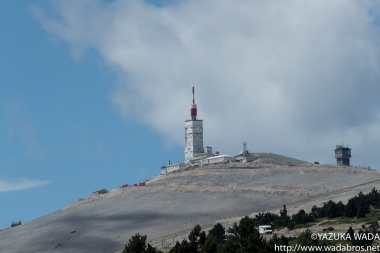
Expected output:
{"points": [[265, 229]]}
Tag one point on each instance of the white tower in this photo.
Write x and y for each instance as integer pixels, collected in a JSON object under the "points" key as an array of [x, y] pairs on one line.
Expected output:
{"points": [[193, 134]]}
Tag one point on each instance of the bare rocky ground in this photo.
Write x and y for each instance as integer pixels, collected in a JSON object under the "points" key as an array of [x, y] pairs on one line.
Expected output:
{"points": [[170, 205]]}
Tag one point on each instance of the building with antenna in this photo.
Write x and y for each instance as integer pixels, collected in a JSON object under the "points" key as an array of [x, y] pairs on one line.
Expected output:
{"points": [[193, 134], [342, 155], [194, 152], [244, 156]]}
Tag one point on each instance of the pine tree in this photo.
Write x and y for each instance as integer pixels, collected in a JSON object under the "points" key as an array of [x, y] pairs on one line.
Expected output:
{"points": [[284, 217], [232, 245], [183, 247], [291, 225], [331, 209], [374, 198], [210, 245], [362, 205], [305, 240], [250, 239], [340, 207], [351, 209], [275, 240], [218, 233], [137, 244]]}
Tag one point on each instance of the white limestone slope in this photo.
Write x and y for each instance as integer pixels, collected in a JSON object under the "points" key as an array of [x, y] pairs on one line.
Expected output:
{"points": [[178, 201]]}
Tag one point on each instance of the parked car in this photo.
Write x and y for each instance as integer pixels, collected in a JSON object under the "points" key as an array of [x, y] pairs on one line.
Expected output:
{"points": [[265, 229], [124, 185]]}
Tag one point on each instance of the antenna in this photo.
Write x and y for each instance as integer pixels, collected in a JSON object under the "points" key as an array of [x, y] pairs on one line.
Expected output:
{"points": [[193, 94], [244, 146], [193, 110]]}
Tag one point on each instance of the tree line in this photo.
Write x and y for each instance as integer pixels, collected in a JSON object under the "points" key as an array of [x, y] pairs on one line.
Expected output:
{"points": [[357, 206], [244, 237]]}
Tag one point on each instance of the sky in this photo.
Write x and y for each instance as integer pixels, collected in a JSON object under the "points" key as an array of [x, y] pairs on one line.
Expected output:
{"points": [[94, 93]]}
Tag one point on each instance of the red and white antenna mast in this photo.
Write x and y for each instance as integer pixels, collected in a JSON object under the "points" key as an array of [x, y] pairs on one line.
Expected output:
{"points": [[193, 94], [193, 110]]}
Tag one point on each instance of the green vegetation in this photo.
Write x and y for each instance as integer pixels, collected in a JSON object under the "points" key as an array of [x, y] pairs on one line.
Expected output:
{"points": [[363, 233], [357, 207], [306, 225], [218, 233], [137, 244], [246, 238], [371, 217]]}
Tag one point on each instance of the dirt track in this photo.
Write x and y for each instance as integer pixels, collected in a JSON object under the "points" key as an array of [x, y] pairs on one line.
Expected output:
{"points": [[178, 201]]}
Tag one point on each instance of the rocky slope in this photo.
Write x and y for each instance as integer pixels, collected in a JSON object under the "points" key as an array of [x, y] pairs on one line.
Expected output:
{"points": [[178, 201]]}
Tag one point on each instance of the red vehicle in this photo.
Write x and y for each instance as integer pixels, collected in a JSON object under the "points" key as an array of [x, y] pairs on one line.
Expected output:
{"points": [[142, 184], [124, 185]]}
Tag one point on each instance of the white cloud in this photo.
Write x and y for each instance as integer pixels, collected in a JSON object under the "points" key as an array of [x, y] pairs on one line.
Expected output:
{"points": [[292, 77], [20, 184]]}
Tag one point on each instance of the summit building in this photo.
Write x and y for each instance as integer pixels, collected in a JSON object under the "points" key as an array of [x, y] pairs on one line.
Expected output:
{"points": [[193, 134], [194, 152]]}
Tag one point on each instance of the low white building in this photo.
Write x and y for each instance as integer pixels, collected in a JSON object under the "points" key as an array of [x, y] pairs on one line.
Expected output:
{"points": [[218, 159], [198, 158], [171, 168]]}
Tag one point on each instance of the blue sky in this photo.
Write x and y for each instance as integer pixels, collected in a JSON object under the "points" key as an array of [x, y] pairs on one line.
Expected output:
{"points": [[57, 126], [94, 94]]}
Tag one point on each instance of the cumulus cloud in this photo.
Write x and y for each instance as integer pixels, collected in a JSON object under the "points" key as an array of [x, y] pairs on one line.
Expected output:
{"points": [[20, 184], [292, 77]]}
